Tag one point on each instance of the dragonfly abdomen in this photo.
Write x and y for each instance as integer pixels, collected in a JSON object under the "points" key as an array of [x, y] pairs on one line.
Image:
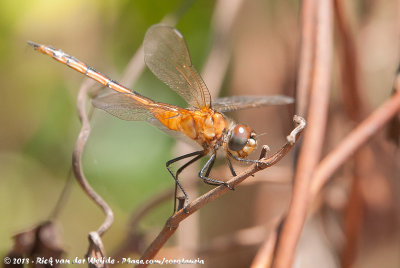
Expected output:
{"points": [[81, 67]]}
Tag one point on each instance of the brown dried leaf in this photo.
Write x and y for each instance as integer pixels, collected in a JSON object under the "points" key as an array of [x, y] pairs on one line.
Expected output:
{"points": [[42, 242]]}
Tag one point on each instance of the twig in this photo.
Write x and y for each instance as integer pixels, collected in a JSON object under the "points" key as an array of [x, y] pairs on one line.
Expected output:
{"points": [[313, 139], [96, 248], [356, 108], [173, 222], [132, 243], [349, 66], [306, 61], [265, 253], [244, 238], [353, 141], [354, 212], [77, 157], [63, 196], [306, 55]]}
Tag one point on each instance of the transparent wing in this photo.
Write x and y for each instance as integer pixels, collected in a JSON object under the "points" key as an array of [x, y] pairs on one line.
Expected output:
{"points": [[122, 106], [167, 56], [227, 104]]}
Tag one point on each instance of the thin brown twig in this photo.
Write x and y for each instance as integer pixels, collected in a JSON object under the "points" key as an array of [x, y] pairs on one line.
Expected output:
{"points": [[354, 211], [173, 222], [77, 157], [306, 55], [264, 255], [313, 139], [96, 248], [349, 66], [154, 202], [245, 237], [239, 239], [133, 242], [354, 140], [63, 196], [356, 109], [306, 62]]}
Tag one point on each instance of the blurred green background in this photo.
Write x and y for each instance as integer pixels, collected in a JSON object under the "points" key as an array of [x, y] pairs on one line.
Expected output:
{"points": [[124, 161]]}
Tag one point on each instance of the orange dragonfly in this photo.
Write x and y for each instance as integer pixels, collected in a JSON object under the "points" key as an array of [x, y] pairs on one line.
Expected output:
{"points": [[167, 56]]}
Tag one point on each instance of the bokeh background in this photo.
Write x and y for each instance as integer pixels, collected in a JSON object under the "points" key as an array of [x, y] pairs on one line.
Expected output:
{"points": [[125, 161]]}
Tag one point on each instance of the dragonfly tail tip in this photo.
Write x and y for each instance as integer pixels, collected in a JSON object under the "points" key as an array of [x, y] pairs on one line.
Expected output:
{"points": [[35, 45]]}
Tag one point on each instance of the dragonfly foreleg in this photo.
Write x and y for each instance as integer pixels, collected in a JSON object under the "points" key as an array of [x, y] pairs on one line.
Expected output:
{"points": [[244, 160], [205, 172]]}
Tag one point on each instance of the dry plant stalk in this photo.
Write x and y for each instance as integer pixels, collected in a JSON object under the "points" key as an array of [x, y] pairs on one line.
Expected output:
{"points": [[313, 138], [134, 241], [356, 108], [96, 248], [355, 140], [306, 55]]}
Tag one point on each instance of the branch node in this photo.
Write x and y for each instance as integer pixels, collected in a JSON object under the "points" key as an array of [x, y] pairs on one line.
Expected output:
{"points": [[264, 152], [96, 251], [171, 224], [301, 122]]}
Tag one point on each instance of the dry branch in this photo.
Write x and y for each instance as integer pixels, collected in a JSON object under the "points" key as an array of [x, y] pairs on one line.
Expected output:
{"points": [[354, 140], [96, 248], [306, 55], [313, 138], [356, 109], [351, 88], [134, 240]]}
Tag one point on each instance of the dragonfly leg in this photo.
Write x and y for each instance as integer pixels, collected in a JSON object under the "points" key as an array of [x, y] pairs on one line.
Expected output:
{"points": [[205, 171], [243, 160], [198, 155], [231, 167]]}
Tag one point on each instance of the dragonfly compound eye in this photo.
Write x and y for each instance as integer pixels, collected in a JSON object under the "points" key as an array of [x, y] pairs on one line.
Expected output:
{"points": [[239, 137]]}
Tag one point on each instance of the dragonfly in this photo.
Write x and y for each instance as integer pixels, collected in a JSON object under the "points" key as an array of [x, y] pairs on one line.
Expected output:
{"points": [[167, 56]]}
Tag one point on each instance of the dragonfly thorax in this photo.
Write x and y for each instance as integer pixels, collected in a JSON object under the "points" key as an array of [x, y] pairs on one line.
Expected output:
{"points": [[206, 126], [210, 127]]}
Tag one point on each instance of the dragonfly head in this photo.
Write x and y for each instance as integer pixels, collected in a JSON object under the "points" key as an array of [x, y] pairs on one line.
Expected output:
{"points": [[241, 140]]}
